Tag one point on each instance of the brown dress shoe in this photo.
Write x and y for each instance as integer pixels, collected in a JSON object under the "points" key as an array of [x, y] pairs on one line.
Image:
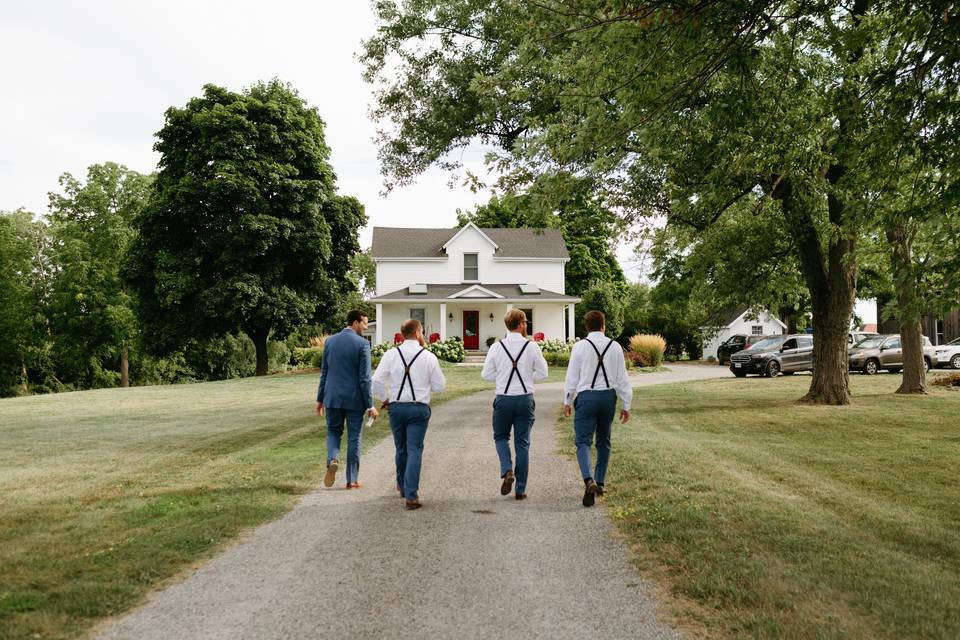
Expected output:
{"points": [[331, 475], [507, 484], [353, 485], [412, 505], [521, 496]]}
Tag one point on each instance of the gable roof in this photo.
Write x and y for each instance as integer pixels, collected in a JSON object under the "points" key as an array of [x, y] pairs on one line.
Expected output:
{"points": [[729, 316], [500, 293], [406, 242]]}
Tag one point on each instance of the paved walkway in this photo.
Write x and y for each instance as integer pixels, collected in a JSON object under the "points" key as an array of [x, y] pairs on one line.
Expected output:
{"points": [[470, 564]]}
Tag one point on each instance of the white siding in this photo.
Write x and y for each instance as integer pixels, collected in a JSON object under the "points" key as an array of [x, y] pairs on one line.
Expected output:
{"points": [[393, 275], [547, 317], [742, 326]]}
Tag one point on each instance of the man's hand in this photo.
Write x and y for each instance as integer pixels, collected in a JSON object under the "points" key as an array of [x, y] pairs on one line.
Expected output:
{"points": [[624, 416], [373, 413], [319, 408], [567, 410]]}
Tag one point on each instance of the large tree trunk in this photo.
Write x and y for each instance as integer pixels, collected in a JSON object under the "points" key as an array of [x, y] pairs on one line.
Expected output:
{"points": [[259, 337], [125, 367], [788, 315], [911, 335], [831, 278]]}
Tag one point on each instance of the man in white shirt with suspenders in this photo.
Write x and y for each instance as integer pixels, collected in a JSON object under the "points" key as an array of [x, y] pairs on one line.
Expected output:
{"points": [[406, 377], [597, 374], [514, 364]]}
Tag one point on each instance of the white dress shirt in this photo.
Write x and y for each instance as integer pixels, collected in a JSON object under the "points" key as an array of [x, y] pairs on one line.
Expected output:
{"points": [[425, 374], [530, 367], [583, 366]]}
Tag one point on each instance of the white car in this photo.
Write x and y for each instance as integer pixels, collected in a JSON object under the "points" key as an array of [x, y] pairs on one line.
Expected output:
{"points": [[948, 355]]}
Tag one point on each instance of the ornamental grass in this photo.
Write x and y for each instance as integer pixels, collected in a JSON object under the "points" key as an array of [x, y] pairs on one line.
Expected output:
{"points": [[653, 346]]}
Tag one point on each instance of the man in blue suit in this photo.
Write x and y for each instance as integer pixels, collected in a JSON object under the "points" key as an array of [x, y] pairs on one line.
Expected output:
{"points": [[344, 395]]}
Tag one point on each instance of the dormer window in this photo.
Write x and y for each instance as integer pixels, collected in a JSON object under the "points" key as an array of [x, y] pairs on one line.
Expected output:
{"points": [[471, 269]]}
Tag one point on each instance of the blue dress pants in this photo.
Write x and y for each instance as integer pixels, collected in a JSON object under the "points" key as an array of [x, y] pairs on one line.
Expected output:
{"points": [[408, 422], [354, 421], [595, 411], [516, 413]]}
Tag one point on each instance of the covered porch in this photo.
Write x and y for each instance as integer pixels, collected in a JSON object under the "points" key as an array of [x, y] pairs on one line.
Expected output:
{"points": [[474, 318]]}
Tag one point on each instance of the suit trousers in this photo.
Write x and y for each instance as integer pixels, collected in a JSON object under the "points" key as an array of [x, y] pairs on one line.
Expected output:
{"points": [[514, 413], [595, 411], [354, 421], [408, 422]]}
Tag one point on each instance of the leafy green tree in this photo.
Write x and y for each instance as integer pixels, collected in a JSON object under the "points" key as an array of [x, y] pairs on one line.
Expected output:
{"points": [[24, 272], [636, 309], [603, 297], [682, 110], [91, 310], [244, 230], [590, 229]]}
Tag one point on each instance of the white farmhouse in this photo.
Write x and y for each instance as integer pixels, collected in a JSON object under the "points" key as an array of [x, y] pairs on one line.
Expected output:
{"points": [[740, 322], [461, 282]]}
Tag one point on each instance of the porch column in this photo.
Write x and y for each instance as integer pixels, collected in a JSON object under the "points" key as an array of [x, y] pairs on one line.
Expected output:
{"points": [[571, 322], [443, 320], [379, 323]]}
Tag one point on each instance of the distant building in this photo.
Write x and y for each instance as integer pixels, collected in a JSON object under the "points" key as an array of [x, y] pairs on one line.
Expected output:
{"points": [[940, 329], [740, 322], [461, 282]]}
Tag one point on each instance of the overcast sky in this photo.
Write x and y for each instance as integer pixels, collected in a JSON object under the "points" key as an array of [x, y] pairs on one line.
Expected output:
{"points": [[88, 82]]}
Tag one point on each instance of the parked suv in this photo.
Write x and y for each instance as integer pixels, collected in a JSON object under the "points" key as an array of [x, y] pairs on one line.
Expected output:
{"points": [[884, 352], [775, 355], [736, 343]]}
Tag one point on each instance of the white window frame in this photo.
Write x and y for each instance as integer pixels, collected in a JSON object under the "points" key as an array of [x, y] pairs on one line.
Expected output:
{"points": [[756, 329], [463, 270], [423, 311]]}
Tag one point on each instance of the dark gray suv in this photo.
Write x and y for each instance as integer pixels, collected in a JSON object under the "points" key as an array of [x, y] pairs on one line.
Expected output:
{"points": [[773, 356]]}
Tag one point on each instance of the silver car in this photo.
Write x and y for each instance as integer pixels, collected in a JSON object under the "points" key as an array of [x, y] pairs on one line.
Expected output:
{"points": [[885, 352]]}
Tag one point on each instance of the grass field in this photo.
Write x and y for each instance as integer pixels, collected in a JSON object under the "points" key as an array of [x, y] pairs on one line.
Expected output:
{"points": [[105, 494], [763, 518]]}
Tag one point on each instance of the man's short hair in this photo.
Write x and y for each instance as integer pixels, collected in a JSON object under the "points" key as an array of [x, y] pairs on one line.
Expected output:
{"points": [[595, 320], [410, 328], [513, 319], [356, 315]]}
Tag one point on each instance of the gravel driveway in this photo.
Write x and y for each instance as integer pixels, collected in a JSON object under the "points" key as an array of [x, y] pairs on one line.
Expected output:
{"points": [[470, 564]]}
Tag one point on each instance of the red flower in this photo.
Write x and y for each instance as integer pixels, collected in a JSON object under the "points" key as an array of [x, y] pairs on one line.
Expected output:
{"points": [[538, 336], [398, 338], [434, 337]]}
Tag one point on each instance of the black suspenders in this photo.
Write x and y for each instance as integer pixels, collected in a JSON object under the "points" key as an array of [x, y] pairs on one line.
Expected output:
{"points": [[600, 366], [406, 373], [514, 361]]}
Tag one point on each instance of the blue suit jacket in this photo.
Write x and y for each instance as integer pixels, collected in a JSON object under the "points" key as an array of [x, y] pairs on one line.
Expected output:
{"points": [[345, 372]]}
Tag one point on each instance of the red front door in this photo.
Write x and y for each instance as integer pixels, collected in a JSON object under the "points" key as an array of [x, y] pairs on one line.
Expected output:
{"points": [[471, 329]]}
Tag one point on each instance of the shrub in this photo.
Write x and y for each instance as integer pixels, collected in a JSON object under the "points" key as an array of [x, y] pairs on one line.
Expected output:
{"points": [[557, 358], [317, 341], [308, 356], [555, 345], [377, 351], [637, 358], [450, 350], [654, 346], [490, 341]]}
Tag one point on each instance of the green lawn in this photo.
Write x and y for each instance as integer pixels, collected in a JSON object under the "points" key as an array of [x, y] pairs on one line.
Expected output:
{"points": [[104, 494], [763, 518]]}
